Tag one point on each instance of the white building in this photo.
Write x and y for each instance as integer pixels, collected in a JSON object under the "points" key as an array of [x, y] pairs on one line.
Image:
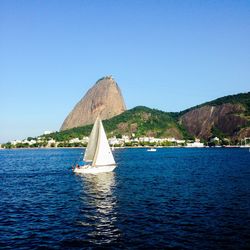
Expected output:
{"points": [[135, 140], [85, 139], [171, 139], [215, 139], [51, 141], [41, 139], [75, 140], [153, 140], [15, 142], [31, 142], [47, 132], [180, 141], [113, 141], [195, 145]]}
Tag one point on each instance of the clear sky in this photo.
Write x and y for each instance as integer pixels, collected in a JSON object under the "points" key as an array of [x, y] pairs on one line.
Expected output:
{"points": [[168, 55]]}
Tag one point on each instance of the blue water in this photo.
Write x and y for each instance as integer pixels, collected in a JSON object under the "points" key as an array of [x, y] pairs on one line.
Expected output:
{"points": [[169, 199]]}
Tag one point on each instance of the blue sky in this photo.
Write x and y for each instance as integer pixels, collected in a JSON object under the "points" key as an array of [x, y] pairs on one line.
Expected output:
{"points": [[169, 55]]}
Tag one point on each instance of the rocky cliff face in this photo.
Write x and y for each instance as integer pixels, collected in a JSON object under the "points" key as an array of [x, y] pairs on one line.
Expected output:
{"points": [[104, 99], [227, 118]]}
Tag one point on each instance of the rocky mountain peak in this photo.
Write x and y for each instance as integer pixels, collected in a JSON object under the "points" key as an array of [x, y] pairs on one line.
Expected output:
{"points": [[103, 99]]}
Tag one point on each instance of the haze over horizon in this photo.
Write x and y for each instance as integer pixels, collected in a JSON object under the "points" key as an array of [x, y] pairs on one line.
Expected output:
{"points": [[169, 55]]}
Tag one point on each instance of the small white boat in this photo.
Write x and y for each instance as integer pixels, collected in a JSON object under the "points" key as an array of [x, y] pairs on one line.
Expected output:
{"points": [[151, 149], [89, 169], [98, 154]]}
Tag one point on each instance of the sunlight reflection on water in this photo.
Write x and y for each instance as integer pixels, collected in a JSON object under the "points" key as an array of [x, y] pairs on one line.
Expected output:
{"points": [[99, 197]]}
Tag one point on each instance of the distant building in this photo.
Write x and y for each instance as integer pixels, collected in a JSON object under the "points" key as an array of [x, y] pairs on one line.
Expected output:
{"points": [[125, 137], [85, 139], [214, 139], [144, 139], [118, 141], [180, 141], [171, 139], [15, 142], [75, 140], [51, 142], [195, 144], [47, 132], [114, 141], [135, 140]]}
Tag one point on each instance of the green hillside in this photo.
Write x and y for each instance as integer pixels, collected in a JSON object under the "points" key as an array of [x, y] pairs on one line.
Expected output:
{"points": [[140, 121], [242, 98], [227, 122], [143, 121]]}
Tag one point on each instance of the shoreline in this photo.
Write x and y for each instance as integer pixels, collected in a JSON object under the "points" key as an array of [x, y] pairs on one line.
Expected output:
{"points": [[146, 147]]}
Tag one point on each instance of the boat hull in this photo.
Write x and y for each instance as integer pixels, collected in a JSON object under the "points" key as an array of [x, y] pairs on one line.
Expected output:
{"points": [[151, 150], [88, 169]]}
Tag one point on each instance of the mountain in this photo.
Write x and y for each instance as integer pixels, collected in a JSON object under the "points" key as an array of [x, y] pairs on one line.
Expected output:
{"points": [[143, 121], [140, 121], [104, 99], [224, 117]]}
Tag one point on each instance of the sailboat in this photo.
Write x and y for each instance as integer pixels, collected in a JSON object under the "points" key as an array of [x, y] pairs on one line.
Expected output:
{"points": [[98, 155], [151, 149]]}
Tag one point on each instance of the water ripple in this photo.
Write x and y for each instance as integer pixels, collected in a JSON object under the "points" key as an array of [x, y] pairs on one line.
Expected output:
{"points": [[172, 199]]}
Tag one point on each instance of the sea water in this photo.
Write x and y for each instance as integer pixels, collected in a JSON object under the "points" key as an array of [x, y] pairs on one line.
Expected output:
{"points": [[174, 198]]}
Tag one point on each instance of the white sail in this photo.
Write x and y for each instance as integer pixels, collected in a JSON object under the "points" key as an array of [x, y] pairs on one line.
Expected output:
{"points": [[98, 151], [92, 144], [103, 155]]}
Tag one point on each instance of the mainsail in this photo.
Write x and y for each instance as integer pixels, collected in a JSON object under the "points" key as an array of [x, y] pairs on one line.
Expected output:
{"points": [[103, 155], [98, 150], [91, 148]]}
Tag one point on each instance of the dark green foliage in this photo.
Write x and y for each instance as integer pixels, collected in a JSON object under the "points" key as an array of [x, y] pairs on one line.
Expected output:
{"points": [[31, 138], [22, 145], [185, 133], [144, 120], [217, 133], [225, 142], [119, 136], [7, 145], [243, 99], [141, 121], [70, 134]]}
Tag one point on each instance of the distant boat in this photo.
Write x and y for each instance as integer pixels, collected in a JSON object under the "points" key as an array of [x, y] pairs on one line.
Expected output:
{"points": [[98, 154], [151, 149]]}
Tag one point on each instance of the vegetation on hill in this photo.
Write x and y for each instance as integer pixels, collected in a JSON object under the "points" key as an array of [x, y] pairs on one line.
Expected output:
{"points": [[143, 121], [225, 117], [242, 98], [140, 121], [70, 133], [230, 127]]}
